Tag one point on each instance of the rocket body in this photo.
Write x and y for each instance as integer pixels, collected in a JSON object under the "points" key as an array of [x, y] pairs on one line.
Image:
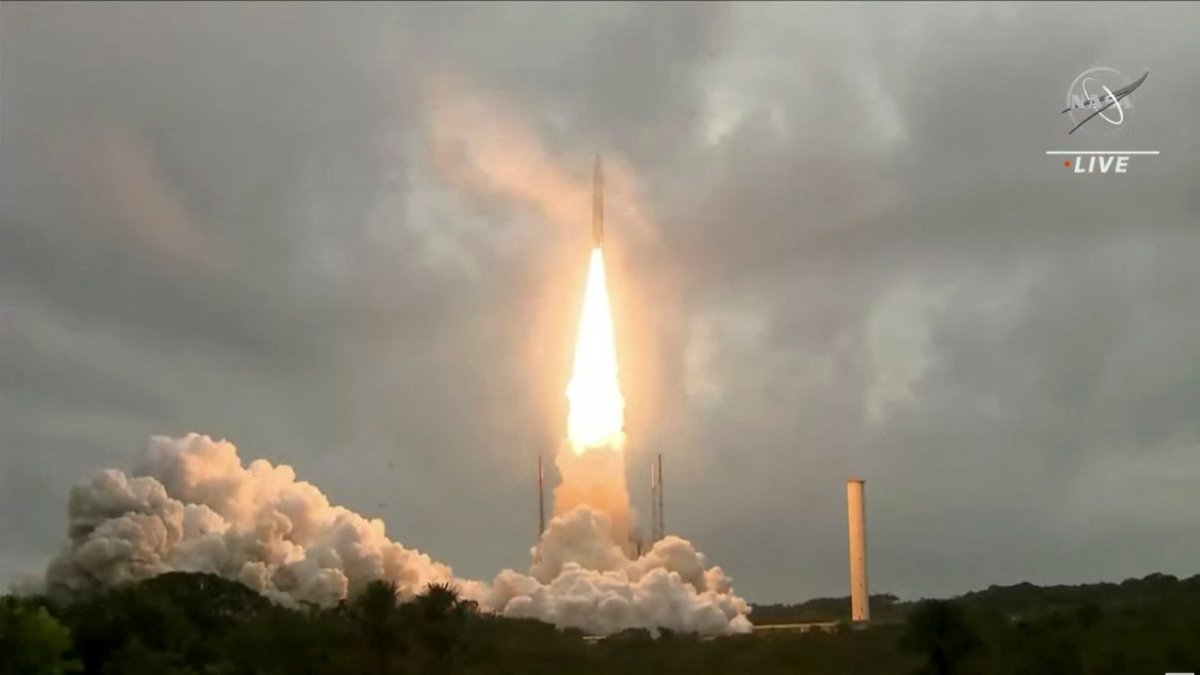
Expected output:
{"points": [[598, 204]]}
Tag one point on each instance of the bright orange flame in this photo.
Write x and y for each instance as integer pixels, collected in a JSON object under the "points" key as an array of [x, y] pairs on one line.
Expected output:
{"points": [[597, 416]]}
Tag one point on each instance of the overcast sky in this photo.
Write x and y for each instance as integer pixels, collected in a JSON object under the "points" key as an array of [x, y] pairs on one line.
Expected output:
{"points": [[352, 238]]}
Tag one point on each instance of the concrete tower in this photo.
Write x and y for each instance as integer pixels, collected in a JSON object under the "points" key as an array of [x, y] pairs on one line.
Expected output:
{"points": [[860, 609]]}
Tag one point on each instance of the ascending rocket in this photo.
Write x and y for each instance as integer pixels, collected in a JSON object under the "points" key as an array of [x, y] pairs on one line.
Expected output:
{"points": [[598, 204]]}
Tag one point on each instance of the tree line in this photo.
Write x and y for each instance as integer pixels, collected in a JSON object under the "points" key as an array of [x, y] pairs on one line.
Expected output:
{"points": [[200, 624]]}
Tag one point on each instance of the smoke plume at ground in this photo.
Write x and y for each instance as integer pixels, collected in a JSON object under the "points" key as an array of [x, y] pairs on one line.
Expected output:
{"points": [[190, 505], [581, 578]]}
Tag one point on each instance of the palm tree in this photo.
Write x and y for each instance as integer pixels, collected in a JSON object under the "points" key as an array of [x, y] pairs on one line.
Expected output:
{"points": [[439, 602], [380, 624], [443, 625]]}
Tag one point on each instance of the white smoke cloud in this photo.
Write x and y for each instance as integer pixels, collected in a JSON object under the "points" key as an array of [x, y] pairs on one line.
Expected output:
{"points": [[190, 505], [580, 578]]}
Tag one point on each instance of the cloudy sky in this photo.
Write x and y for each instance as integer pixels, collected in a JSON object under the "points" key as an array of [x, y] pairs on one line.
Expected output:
{"points": [[353, 239]]}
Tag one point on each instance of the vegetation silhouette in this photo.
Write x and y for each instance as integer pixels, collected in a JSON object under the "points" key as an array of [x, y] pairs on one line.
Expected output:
{"points": [[938, 630], [32, 641], [201, 624]]}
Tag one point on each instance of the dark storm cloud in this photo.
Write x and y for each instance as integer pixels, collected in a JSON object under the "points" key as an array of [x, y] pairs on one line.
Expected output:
{"points": [[229, 219]]}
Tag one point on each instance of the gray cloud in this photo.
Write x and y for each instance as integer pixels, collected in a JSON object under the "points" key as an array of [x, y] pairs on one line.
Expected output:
{"points": [[230, 219]]}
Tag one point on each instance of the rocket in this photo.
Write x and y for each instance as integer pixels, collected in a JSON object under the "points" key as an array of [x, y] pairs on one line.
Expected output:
{"points": [[598, 204]]}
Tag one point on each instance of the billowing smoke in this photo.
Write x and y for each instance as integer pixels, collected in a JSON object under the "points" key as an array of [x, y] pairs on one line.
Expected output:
{"points": [[190, 505], [584, 575], [581, 578]]}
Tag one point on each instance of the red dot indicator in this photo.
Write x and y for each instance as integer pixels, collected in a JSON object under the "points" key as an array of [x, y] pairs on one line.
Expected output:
{"points": [[1067, 163]]}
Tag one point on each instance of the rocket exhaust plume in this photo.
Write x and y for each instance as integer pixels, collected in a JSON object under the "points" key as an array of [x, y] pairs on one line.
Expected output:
{"points": [[594, 472], [586, 571], [597, 413]]}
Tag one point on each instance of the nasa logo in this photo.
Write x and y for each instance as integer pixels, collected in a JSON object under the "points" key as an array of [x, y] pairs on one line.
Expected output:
{"points": [[1101, 92], [1105, 93]]}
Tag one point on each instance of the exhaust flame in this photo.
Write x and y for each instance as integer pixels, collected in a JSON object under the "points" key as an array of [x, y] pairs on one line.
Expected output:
{"points": [[597, 412]]}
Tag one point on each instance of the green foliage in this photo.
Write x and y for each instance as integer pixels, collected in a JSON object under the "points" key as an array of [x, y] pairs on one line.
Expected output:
{"points": [[938, 631], [884, 607], [197, 624], [31, 641]]}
